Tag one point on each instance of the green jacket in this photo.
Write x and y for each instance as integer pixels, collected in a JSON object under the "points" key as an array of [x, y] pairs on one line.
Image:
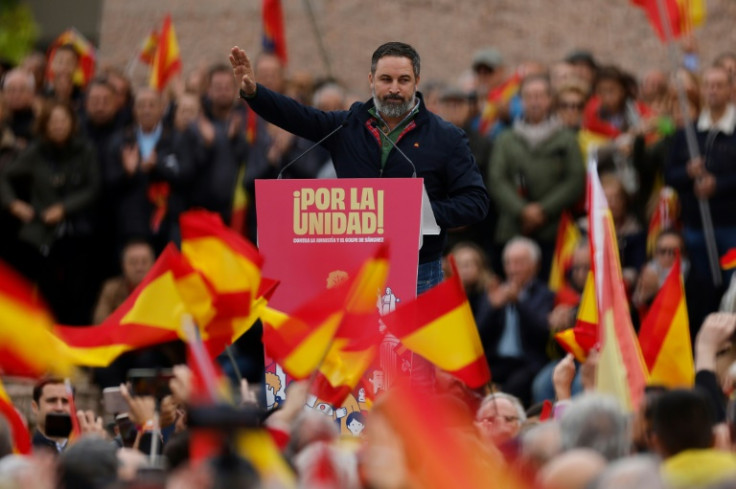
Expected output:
{"points": [[68, 175], [551, 174]]}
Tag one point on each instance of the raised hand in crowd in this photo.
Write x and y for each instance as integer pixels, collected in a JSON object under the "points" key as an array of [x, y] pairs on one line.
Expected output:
{"points": [[715, 334], [181, 384], [131, 159], [243, 71], [141, 408], [91, 425], [588, 370], [563, 376], [296, 398]]}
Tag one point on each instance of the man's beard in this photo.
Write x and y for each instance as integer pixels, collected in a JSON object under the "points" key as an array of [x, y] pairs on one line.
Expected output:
{"points": [[388, 108]]}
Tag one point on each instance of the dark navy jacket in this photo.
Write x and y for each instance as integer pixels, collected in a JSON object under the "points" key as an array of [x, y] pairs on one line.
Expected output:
{"points": [[719, 152], [438, 149]]}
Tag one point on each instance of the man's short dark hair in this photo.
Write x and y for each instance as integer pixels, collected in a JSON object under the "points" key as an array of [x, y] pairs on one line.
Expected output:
{"points": [[682, 420], [218, 68], [395, 48], [38, 387]]}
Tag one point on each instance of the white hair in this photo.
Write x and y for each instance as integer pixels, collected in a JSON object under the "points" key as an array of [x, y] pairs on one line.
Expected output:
{"points": [[596, 421], [21, 74], [327, 88], [535, 252], [492, 398]]}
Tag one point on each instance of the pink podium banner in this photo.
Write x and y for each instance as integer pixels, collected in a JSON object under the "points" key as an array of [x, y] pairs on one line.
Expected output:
{"points": [[312, 233]]}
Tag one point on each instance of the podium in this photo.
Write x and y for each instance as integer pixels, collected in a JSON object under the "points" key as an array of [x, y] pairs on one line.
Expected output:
{"points": [[310, 232]]}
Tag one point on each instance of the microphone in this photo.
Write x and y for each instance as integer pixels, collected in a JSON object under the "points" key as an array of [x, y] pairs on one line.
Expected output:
{"points": [[328, 136], [374, 123]]}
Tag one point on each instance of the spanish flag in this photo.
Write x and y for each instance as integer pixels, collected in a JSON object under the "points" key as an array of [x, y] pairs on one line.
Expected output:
{"points": [[621, 369], [19, 431], [258, 447], [149, 48], [152, 314], [664, 217], [665, 335], [568, 237], [682, 15], [167, 60], [298, 341], [728, 261], [497, 98], [274, 39], [582, 337], [229, 263], [27, 346], [356, 340], [84, 49], [439, 326]]}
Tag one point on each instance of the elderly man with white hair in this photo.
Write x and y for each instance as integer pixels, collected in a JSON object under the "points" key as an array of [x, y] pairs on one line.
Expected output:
{"points": [[513, 325], [18, 92]]}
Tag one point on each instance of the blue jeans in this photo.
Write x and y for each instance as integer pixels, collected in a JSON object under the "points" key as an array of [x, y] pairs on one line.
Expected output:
{"points": [[429, 274]]}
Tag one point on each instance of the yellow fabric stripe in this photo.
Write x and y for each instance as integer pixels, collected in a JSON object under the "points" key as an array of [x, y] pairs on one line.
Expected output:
{"points": [[228, 271], [309, 354], [451, 341], [611, 375], [159, 305], [674, 366]]}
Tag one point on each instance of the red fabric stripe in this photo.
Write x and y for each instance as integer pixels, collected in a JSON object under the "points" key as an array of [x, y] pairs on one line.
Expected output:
{"points": [[21, 437], [18, 289], [475, 374], [334, 395], [310, 316], [235, 304], [138, 335], [13, 364], [656, 325], [428, 307]]}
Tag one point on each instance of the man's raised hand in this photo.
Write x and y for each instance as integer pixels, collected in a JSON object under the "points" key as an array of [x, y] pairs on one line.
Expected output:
{"points": [[243, 71]]}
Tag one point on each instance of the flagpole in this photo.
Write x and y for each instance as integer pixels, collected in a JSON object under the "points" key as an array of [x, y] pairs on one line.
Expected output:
{"points": [[692, 146], [318, 34]]}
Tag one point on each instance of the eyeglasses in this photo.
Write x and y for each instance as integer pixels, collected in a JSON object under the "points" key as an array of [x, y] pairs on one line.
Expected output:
{"points": [[570, 105], [666, 251], [498, 419]]}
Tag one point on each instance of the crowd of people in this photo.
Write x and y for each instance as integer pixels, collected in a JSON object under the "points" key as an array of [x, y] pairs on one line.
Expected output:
{"points": [[93, 179]]}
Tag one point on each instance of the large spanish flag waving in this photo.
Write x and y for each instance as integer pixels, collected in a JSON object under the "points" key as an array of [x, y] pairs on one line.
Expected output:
{"points": [[229, 263], [357, 338], [167, 60], [665, 335], [27, 346], [152, 314], [439, 326], [621, 370]]}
